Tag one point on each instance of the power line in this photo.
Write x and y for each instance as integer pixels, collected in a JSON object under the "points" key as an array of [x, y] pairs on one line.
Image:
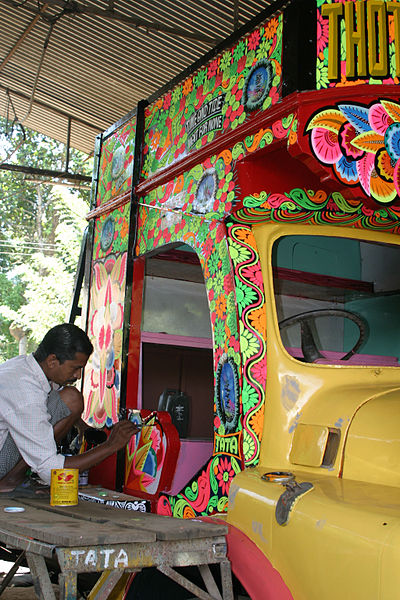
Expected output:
{"points": [[23, 243]]}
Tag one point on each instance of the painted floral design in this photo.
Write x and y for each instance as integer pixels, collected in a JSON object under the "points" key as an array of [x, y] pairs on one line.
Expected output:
{"points": [[145, 459], [225, 474], [317, 208], [225, 75], [362, 146], [102, 374], [120, 232], [116, 163]]}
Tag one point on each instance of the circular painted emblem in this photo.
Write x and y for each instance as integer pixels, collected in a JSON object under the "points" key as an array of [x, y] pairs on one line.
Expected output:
{"points": [[117, 165], [205, 194], [227, 393], [107, 234], [258, 84]]}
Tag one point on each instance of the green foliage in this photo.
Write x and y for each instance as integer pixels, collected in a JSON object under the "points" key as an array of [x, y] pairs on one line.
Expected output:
{"points": [[41, 228]]}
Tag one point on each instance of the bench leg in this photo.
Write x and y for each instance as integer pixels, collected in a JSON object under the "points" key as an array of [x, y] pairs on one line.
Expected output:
{"points": [[226, 579], [209, 581], [68, 583], [41, 580]]}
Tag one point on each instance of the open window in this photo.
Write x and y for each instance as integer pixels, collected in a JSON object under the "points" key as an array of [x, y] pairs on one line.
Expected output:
{"points": [[176, 354], [337, 299]]}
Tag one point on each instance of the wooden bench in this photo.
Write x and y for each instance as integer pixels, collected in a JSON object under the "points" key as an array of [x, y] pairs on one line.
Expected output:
{"points": [[90, 538]]}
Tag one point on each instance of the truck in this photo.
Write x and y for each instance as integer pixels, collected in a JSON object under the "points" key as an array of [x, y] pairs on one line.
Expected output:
{"points": [[242, 291]]}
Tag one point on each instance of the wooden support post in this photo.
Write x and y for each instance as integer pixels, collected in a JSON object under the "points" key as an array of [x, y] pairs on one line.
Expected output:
{"points": [[40, 576]]}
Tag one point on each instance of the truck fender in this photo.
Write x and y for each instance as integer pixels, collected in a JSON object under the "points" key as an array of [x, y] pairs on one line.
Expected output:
{"points": [[253, 569]]}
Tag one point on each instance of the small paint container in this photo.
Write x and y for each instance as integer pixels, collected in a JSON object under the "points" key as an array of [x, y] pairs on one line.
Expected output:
{"points": [[83, 478], [64, 487]]}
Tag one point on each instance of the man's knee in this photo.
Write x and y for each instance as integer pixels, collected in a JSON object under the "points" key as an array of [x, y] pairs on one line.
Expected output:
{"points": [[73, 399]]}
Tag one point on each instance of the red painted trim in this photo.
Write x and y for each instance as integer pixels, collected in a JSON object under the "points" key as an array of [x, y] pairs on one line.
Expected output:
{"points": [[253, 569], [109, 206], [180, 256], [132, 383], [304, 103]]}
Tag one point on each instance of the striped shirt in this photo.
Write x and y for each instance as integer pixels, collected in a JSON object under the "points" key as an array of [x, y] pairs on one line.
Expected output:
{"points": [[23, 413]]}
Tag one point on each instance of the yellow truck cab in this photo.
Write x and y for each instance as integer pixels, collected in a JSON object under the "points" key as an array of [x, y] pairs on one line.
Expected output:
{"points": [[243, 292]]}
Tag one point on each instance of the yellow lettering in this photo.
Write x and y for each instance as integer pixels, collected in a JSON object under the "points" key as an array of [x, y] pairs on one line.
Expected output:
{"points": [[377, 38], [234, 446], [334, 12], [394, 9], [355, 39]]}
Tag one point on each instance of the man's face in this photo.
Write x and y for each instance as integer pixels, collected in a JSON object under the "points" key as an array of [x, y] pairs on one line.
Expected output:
{"points": [[69, 371]]}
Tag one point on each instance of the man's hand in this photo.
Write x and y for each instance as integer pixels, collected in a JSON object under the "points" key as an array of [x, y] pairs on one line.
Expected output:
{"points": [[121, 433]]}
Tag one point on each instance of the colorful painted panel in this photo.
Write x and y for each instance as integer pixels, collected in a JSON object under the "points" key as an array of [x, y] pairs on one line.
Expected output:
{"points": [[208, 492], [151, 456], [251, 307], [216, 98], [111, 232], [361, 144], [317, 208], [238, 419], [209, 188], [356, 42], [116, 163], [106, 310], [208, 238]]}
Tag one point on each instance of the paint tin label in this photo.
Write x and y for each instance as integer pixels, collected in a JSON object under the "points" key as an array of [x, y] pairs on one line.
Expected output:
{"points": [[64, 487]]}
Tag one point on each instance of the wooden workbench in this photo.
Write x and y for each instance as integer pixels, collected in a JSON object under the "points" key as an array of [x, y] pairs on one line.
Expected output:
{"points": [[93, 537]]}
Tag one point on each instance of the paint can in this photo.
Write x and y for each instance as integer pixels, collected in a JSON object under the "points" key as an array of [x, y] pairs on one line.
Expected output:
{"points": [[83, 478], [64, 487]]}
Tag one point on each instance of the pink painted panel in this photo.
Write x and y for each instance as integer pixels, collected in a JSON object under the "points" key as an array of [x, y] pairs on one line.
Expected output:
{"points": [[192, 457], [334, 358], [176, 340]]}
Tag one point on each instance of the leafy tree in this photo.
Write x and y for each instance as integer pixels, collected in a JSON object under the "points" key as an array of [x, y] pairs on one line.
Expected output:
{"points": [[41, 228]]}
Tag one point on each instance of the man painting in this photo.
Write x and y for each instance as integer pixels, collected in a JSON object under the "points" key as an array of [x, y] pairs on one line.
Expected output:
{"points": [[38, 406]]}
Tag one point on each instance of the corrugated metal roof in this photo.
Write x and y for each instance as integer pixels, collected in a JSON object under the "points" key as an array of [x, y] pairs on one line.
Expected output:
{"points": [[102, 57]]}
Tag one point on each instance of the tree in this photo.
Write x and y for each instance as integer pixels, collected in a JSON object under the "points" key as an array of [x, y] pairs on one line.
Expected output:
{"points": [[41, 228]]}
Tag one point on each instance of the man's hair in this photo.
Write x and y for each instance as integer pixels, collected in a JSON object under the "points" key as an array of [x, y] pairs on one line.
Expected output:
{"points": [[64, 341]]}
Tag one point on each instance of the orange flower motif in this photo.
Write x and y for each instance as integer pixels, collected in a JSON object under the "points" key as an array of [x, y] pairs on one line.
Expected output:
{"points": [[244, 235], [124, 229], [258, 321], [271, 28], [220, 306], [155, 140], [187, 87], [257, 422]]}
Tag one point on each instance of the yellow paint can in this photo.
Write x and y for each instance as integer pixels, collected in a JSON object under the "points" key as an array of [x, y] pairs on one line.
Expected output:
{"points": [[64, 487]]}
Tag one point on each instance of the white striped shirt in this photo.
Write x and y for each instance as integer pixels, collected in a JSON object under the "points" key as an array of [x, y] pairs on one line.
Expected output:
{"points": [[23, 413]]}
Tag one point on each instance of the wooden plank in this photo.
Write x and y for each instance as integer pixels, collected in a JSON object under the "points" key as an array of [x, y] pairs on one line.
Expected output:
{"points": [[67, 529], [164, 528]]}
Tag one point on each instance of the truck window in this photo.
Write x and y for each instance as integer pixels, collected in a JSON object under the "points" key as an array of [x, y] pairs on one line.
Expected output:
{"points": [[337, 299]]}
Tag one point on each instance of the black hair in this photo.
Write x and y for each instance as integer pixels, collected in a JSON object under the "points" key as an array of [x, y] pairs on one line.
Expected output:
{"points": [[64, 341]]}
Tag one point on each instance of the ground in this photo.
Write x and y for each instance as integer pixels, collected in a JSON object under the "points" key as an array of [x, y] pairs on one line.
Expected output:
{"points": [[19, 592]]}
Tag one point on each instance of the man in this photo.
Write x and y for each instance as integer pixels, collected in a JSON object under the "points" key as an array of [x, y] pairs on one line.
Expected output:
{"points": [[35, 414]]}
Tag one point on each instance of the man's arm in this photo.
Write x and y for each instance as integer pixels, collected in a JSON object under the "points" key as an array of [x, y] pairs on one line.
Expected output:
{"points": [[120, 435]]}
